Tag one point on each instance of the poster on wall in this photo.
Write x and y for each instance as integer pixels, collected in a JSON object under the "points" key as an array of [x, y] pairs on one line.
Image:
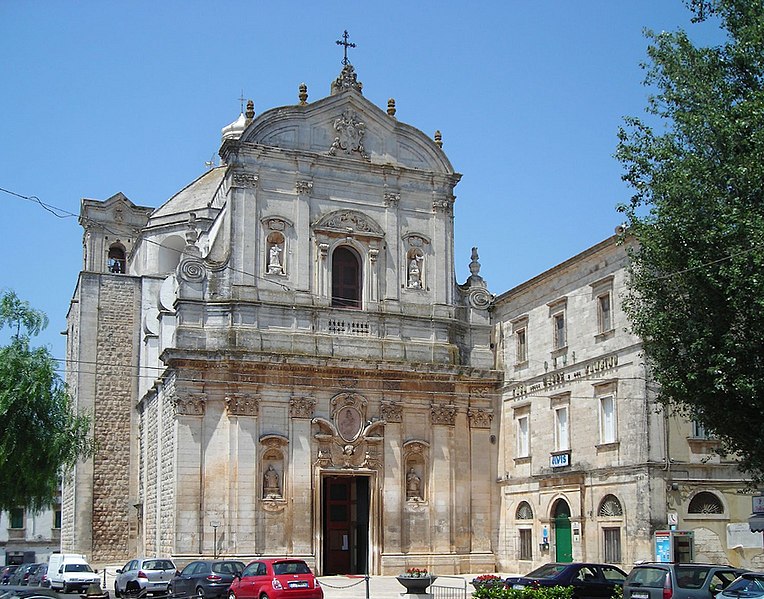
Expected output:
{"points": [[662, 546]]}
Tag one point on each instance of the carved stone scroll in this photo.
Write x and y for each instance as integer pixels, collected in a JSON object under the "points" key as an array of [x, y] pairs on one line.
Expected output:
{"points": [[480, 418], [302, 407], [244, 180], [391, 411], [193, 404], [242, 404], [443, 414]]}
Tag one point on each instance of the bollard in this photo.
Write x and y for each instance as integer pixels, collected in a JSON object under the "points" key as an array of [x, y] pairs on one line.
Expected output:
{"points": [[367, 585]]}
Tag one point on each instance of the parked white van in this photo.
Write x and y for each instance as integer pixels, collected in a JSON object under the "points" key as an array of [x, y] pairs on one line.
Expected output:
{"points": [[69, 572]]}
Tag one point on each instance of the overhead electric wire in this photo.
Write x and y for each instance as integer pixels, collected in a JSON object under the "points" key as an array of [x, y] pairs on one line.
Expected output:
{"points": [[61, 213]]}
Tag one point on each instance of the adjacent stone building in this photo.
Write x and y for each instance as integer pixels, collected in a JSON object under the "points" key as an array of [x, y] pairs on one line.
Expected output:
{"points": [[29, 537], [590, 465], [279, 361]]}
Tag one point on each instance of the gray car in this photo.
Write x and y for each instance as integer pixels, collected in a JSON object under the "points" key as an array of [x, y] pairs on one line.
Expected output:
{"points": [[206, 579], [658, 580], [144, 575]]}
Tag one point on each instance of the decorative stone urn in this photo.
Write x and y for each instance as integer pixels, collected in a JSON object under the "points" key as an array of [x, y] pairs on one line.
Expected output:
{"points": [[416, 585]]}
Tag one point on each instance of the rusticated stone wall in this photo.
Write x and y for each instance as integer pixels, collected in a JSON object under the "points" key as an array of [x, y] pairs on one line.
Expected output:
{"points": [[67, 489], [150, 497], [114, 380], [167, 480], [157, 424]]}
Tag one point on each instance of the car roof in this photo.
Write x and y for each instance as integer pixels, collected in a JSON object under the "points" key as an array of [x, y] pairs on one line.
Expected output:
{"points": [[668, 564]]}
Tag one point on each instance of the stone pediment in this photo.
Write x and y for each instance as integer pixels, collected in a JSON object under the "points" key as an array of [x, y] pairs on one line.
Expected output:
{"points": [[347, 126], [348, 222], [117, 209]]}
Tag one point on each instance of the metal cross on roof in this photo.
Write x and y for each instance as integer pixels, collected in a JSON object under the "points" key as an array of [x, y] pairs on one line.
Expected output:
{"points": [[347, 44]]}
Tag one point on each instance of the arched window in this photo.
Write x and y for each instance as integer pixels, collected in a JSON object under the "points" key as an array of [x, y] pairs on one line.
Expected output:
{"points": [[524, 511], [705, 503], [346, 278], [117, 262], [609, 507]]}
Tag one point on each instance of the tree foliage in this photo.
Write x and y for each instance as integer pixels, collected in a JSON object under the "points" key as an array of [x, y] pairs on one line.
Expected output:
{"points": [[40, 435], [696, 293]]}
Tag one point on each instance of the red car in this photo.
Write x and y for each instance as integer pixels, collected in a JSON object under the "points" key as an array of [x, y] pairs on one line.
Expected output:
{"points": [[276, 579]]}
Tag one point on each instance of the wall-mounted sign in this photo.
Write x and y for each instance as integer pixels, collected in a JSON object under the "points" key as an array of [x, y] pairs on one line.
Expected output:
{"points": [[758, 504], [558, 460]]}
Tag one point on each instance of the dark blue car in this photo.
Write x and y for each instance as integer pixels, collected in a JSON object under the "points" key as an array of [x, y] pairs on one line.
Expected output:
{"points": [[589, 581]]}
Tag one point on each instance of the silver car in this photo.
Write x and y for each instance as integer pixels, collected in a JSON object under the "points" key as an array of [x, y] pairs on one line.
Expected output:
{"points": [[145, 576]]}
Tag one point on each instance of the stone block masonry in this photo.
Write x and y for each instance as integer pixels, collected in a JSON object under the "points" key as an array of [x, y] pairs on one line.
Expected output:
{"points": [[115, 377]]}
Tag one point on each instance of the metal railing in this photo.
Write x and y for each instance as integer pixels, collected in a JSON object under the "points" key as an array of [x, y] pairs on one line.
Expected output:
{"points": [[449, 587]]}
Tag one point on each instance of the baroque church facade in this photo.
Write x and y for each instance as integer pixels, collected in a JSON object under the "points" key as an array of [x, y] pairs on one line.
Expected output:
{"points": [[278, 361]]}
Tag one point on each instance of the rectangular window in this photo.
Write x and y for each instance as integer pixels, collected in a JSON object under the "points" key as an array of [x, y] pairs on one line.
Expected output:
{"points": [[559, 330], [523, 438], [17, 517], [521, 347], [562, 436], [57, 519], [526, 544], [612, 545], [607, 419], [603, 308]]}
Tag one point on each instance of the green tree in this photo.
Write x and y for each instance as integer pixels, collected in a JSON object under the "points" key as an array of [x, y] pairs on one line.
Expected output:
{"points": [[696, 293], [40, 435]]}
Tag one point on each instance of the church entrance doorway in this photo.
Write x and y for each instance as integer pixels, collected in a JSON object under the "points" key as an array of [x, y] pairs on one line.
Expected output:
{"points": [[345, 524], [562, 538]]}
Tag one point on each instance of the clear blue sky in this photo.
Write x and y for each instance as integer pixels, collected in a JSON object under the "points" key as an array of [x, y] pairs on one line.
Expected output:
{"points": [[99, 97]]}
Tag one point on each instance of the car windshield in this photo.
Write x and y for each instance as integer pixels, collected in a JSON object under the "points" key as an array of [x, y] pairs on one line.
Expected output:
{"points": [[290, 568], [158, 564], [747, 586], [647, 577], [228, 567], [546, 571], [77, 568], [690, 577]]}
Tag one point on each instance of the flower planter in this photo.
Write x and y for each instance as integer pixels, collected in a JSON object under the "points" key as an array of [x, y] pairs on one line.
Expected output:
{"points": [[487, 583], [416, 585]]}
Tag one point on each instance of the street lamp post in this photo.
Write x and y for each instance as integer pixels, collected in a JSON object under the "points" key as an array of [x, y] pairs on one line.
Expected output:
{"points": [[214, 524]]}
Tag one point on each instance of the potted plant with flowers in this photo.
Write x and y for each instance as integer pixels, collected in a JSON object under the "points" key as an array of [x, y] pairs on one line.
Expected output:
{"points": [[486, 581], [416, 580]]}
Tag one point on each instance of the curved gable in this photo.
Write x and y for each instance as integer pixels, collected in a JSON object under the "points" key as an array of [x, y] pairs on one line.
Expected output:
{"points": [[347, 126], [349, 222]]}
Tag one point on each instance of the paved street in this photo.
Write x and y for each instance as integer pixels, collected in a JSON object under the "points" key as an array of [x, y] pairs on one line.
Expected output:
{"points": [[353, 587]]}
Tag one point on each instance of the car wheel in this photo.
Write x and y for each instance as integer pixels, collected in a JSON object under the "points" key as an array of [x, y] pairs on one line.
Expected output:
{"points": [[200, 593], [65, 588], [231, 595], [116, 589], [263, 596]]}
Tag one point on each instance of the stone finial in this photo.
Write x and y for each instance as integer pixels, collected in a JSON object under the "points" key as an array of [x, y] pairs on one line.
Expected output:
{"points": [[192, 233], [303, 95], [438, 139], [391, 107], [474, 262], [250, 114], [347, 80]]}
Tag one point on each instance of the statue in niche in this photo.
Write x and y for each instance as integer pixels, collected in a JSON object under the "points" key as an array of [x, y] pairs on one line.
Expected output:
{"points": [[415, 273], [274, 260], [413, 485], [271, 484]]}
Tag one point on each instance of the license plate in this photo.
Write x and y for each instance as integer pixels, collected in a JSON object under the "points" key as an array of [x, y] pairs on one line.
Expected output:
{"points": [[518, 586], [300, 584], [640, 596]]}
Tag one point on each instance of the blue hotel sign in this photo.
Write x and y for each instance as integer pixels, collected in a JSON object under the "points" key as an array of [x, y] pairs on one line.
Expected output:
{"points": [[558, 460]]}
